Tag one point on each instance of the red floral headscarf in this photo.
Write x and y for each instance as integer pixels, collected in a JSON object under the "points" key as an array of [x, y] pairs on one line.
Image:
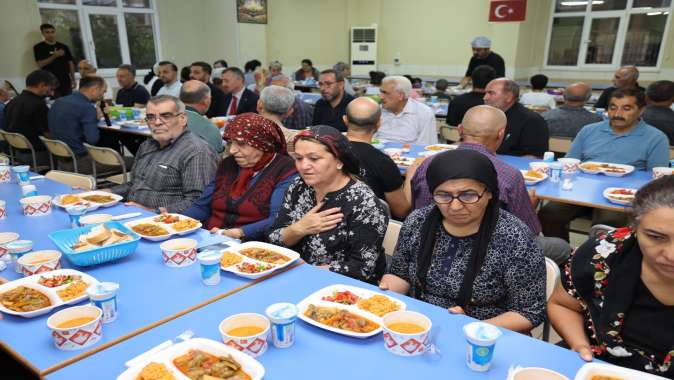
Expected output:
{"points": [[256, 131]]}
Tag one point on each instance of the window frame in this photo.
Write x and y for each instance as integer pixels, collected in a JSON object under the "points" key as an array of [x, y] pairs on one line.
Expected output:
{"points": [[588, 15], [83, 12]]}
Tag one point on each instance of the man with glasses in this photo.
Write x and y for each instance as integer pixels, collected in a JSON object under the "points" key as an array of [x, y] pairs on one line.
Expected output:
{"points": [[330, 109], [172, 168]]}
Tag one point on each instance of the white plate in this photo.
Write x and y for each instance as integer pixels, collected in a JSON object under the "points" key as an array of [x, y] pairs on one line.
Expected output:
{"points": [[57, 200], [440, 147], [316, 299], [166, 226], [249, 365], [624, 200], [592, 369], [628, 169], [292, 255], [32, 282], [530, 182]]}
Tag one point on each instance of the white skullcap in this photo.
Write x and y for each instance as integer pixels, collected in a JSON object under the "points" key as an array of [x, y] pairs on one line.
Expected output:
{"points": [[481, 42]]}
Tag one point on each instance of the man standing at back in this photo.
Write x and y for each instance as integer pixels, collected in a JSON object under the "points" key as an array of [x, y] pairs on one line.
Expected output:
{"points": [[197, 99], [331, 107], [55, 57], [238, 99], [567, 119], [526, 133], [201, 71], [482, 55]]}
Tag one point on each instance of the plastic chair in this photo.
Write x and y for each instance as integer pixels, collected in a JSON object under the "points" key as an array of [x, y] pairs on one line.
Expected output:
{"points": [[110, 157], [391, 240], [19, 141], [551, 279], [450, 134], [560, 144], [11, 152], [82, 181], [59, 149]]}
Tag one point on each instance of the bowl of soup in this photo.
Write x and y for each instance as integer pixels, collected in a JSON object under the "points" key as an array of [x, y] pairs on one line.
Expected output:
{"points": [[535, 373], [39, 262], [76, 327], [38, 205], [178, 253], [246, 332], [406, 332]]}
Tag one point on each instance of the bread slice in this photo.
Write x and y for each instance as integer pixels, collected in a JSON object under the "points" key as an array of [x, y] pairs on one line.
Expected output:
{"points": [[98, 235]]}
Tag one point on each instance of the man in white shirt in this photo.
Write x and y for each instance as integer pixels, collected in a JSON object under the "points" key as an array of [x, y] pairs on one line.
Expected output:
{"points": [[404, 119], [538, 97], [168, 73]]}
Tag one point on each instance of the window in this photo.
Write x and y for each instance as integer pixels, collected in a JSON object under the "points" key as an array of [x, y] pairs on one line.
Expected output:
{"points": [[607, 33], [106, 32]]}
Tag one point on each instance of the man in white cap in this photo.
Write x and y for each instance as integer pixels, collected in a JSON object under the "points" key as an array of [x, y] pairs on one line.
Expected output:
{"points": [[482, 55]]}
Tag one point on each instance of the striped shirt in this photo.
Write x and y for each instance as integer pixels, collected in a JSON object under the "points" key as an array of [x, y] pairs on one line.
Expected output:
{"points": [[172, 177]]}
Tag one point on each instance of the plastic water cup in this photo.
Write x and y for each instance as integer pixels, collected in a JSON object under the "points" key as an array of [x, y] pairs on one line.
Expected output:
{"points": [[548, 156], [555, 171], [209, 261], [29, 190], [434, 99], [75, 212], [104, 296], [282, 316], [22, 175], [481, 338]]}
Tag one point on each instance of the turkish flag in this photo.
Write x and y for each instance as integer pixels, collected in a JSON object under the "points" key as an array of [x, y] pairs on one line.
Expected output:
{"points": [[507, 10]]}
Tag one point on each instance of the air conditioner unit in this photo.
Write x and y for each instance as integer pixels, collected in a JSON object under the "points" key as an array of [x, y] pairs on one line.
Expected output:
{"points": [[363, 50]]}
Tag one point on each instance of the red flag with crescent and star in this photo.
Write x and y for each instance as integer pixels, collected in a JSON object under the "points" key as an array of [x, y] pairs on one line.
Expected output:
{"points": [[507, 10]]}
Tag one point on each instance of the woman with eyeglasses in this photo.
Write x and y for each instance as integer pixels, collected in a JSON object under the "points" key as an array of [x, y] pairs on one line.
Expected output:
{"points": [[329, 216], [465, 253]]}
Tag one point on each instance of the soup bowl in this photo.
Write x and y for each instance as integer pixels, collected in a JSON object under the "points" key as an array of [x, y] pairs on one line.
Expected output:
{"points": [[179, 253], [39, 262], [252, 342], [76, 327], [409, 342], [38, 205]]}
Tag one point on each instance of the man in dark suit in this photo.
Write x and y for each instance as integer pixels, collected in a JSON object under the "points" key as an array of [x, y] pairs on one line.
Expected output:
{"points": [[238, 99], [201, 71]]}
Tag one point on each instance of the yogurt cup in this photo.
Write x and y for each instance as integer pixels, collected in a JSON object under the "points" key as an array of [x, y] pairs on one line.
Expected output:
{"points": [[22, 174], [17, 249], [36, 206], [76, 337], [661, 171], [104, 296], [3, 209], [282, 316], [210, 266], [39, 262], [253, 345], [481, 338], [5, 173], [178, 253]]}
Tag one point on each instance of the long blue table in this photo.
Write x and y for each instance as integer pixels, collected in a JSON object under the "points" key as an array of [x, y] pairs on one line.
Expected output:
{"points": [[587, 189], [149, 290], [321, 354]]}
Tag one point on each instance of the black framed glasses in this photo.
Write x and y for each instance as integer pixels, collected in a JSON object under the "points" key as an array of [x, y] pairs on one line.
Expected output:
{"points": [[164, 117], [465, 197]]}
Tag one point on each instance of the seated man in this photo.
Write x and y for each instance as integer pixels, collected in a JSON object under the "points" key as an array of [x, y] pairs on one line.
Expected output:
{"points": [[130, 94], [526, 133], [27, 113], [201, 71], [363, 118], [480, 77], [173, 167], [276, 104], [331, 107], [569, 118], [538, 97], [441, 86], [625, 78], [238, 99], [404, 119], [658, 113], [622, 139], [197, 98], [303, 112], [168, 74], [482, 130]]}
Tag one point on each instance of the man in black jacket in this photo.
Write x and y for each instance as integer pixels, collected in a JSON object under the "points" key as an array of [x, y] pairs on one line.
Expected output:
{"points": [[201, 71], [238, 99]]}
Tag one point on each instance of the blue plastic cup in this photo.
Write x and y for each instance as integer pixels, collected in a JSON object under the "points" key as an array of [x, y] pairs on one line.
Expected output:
{"points": [[209, 262], [22, 175]]}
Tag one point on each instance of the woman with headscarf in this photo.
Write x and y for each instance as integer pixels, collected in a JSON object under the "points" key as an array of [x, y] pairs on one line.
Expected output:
{"points": [[243, 199], [465, 253], [329, 216]]}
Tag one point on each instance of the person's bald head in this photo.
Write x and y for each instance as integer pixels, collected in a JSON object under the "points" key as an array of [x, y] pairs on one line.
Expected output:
{"points": [[626, 77], [362, 114], [484, 125], [577, 94], [196, 94]]}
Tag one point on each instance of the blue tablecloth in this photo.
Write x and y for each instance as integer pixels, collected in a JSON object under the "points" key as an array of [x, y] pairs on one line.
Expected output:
{"points": [[321, 354]]}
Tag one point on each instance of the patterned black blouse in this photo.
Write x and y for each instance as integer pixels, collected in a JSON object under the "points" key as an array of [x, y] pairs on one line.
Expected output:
{"points": [[512, 277], [354, 247]]}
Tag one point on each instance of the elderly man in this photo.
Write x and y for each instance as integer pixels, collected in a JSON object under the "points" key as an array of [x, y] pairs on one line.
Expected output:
{"points": [[168, 74], [482, 55], [173, 167], [526, 133], [197, 99], [303, 112], [331, 107], [276, 104], [458, 107], [625, 78], [344, 69], [404, 119], [363, 118], [85, 68], [55, 57], [131, 94], [483, 129], [658, 113], [622, 139], [569, 118], [238, 99], [201, 71]]}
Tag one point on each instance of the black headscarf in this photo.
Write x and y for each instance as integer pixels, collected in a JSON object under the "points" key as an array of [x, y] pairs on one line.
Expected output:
{"points": [[337, 144], [459, 164]]}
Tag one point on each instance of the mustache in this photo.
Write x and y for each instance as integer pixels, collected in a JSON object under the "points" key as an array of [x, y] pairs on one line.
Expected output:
{"points": [[618, 118]]}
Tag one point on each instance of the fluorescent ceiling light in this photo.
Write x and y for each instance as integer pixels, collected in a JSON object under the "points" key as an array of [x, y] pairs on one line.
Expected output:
{"points": [[653, 13], [577, 3]]}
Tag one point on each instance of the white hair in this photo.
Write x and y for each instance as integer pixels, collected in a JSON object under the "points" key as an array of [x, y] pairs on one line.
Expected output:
{"points": [[277, 99], [401, 84]]}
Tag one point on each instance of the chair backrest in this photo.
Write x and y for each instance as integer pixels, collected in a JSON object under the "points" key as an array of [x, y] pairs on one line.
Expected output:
{"points": [[671, 152], [449, 133], [391, 237], [58, 148], [551, 278], [82, 181], [560, 144], [17, 140], [105, 156]]}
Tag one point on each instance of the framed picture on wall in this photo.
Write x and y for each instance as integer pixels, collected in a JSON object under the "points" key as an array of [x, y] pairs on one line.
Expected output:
{"points": [[251, 11]]}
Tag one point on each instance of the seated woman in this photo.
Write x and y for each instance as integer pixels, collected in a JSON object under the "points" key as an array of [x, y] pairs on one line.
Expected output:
{"points": [[243, 199], [467, 254], [331, 218], [616, 298]]}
